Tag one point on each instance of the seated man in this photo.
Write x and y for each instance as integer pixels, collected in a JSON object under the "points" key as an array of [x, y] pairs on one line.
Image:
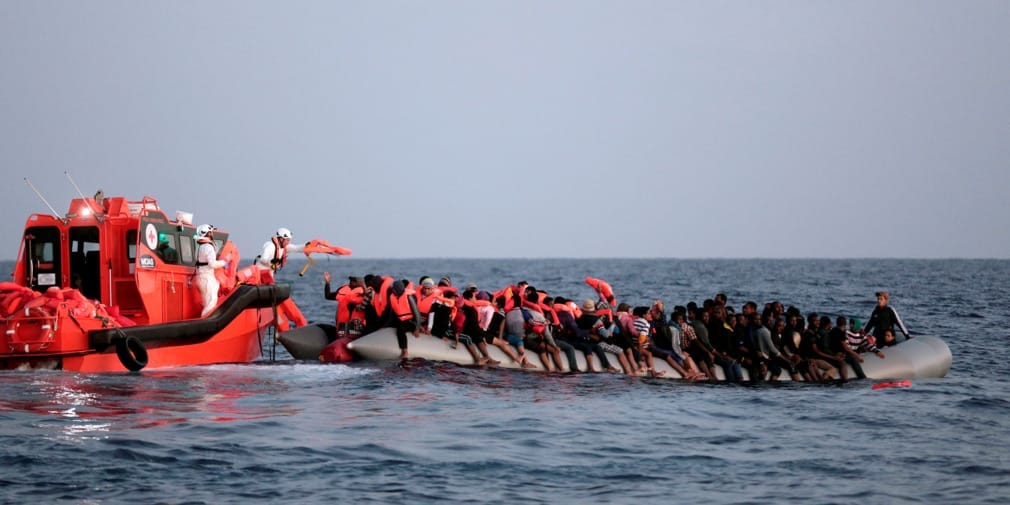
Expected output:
{"points": [[166, 251]]}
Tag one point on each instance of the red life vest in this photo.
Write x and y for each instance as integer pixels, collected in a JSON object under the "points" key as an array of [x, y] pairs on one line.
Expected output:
{"points": [[347, 300]]}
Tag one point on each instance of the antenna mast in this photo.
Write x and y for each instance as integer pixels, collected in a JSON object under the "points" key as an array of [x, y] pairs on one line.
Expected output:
{"points": [[86, 202], [30, 185]]}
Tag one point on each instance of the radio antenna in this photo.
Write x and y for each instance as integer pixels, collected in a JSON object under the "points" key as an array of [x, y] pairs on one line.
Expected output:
{"points": [[30, 185], [86, 202]]}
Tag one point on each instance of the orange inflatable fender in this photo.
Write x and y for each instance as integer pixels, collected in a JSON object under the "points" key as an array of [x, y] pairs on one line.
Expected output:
{"points": [[892, 384]]}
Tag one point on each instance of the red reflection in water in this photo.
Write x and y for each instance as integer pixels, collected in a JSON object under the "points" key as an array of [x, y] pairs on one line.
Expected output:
{"points": [[145, 400]]}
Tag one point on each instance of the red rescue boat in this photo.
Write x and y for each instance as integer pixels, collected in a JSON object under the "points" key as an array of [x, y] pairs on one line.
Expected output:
{"points": [[108, 287]]}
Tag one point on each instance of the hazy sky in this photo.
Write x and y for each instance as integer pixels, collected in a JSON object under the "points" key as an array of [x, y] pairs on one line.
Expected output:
{"points": [[542, 128]]}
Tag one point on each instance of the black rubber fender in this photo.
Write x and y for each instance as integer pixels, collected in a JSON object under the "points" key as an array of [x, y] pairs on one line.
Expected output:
{"points": [[132, 353]]}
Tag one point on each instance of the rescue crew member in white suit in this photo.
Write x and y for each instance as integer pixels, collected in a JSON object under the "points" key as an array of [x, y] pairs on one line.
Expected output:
{"points": [[275, 254], [206, 262], [272, 258]]}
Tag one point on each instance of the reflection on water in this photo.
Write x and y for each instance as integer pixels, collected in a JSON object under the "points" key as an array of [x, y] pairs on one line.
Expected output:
{"points": [[81, 406]]}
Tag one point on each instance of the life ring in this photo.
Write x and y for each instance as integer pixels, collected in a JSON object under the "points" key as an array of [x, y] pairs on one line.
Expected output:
{"points": [[46, 332], [132, 353]]}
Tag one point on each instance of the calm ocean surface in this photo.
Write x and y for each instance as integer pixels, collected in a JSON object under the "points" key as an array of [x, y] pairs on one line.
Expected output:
{"points": [[284, 431]]}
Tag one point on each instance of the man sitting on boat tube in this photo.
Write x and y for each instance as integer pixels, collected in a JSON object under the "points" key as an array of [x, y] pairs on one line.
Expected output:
{"points": [[206, 262]]}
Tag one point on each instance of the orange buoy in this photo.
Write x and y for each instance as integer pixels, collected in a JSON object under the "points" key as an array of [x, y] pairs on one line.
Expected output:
{"points": [[892, 384]]}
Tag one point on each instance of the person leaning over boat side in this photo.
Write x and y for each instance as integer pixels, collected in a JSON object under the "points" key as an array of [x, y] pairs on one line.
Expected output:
{"points": [[883, 318], [274, 254], [206, 262]]}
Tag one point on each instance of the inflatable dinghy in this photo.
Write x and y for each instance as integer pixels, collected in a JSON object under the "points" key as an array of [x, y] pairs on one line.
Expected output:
{"points": [[920, 357]]}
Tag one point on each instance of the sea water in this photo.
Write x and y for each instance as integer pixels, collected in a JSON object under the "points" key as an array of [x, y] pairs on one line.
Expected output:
{"points": [[300, 432]]}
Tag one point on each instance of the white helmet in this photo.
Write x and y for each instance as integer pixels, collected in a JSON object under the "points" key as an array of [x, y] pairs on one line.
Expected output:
{"points": [[203, 230], [284, 233]]}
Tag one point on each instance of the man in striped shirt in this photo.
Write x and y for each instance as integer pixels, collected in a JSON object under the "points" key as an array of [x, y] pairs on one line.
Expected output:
{"points": [[858, 340], [643, 332]]}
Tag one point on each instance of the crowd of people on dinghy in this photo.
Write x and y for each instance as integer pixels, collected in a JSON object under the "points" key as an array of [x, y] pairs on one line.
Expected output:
{"points": [[693, 339]]}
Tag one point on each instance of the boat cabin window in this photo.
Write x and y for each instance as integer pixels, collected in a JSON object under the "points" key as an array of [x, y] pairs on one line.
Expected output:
{"points": [[131, 245], [131, 250], [42, 257], [85, 261], [186, 250], [168, 247]]}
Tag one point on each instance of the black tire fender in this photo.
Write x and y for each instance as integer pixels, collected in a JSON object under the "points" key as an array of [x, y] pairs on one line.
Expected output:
{"points": [[132, 353]]}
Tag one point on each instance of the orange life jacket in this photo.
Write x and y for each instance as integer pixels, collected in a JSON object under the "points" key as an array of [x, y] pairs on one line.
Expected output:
{"points": [[401, 304], [348, 299], [381, 298], [424, 303], [562, 307], [602, 288], [553, 316]]}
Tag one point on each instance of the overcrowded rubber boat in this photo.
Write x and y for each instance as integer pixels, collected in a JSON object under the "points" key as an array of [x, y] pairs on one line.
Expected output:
{"points": [[397, 321], [109, 286], [921, 357]]}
